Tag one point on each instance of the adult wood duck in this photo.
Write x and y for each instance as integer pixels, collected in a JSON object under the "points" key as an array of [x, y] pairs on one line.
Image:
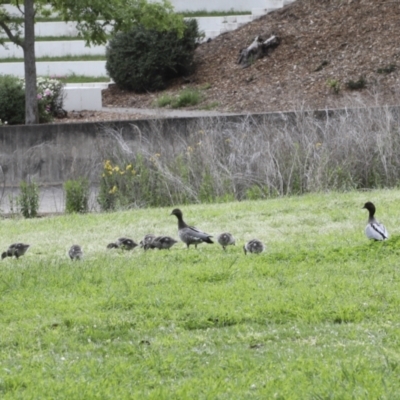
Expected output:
{"points": [[190, 234], [374, 229]]}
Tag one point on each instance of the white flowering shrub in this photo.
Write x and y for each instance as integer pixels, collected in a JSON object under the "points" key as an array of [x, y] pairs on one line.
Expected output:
{"points": [[50, 97]]}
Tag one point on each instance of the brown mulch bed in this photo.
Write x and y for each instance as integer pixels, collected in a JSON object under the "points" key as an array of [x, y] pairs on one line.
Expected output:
{"points": [[322, 41]]}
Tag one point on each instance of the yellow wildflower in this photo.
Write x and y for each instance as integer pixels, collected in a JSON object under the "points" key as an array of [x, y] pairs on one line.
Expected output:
{"points": [[113, 190], [107, 165]]}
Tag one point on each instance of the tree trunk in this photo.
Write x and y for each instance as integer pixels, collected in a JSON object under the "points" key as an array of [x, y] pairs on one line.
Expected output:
{"points": [[31, 103]]}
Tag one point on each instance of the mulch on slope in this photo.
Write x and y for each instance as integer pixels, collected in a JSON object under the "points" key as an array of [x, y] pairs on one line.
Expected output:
{"points": [[324, 43]]}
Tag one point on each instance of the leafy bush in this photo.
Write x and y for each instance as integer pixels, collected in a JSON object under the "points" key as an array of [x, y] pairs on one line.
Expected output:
{"points": [[334, 84], [387, 70], [187, 97], [135, 183], [12, 100], [28, 199], [115, 184], [357, 85], [77, 195], [145, 60]]}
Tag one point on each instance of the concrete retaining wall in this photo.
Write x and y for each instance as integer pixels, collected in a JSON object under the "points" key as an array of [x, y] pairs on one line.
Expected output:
{"points": [[53, 153]]}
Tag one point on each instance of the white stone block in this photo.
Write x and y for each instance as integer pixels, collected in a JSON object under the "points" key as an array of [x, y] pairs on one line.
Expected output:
{"points": [[258, 12], [59, 68], [82, 98], [273, 4], [53, 49]]}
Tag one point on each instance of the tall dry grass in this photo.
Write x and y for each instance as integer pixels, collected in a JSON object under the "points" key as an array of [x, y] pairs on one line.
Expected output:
{"points": [[260, 157]]}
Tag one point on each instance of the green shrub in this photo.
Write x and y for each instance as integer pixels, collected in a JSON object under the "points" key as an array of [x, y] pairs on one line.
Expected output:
{"points": [[145, 60], [77, 196], [12, 100], [187, 97], [334, 84], [164, 100], [255, 192], [357, 85], [116, 183], [28, 199], [387, 70]]}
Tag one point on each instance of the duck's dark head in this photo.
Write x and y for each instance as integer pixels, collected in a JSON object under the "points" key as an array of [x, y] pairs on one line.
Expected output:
{"points": [[177, 212], [3, 255], [21, 248], [370, 207]]}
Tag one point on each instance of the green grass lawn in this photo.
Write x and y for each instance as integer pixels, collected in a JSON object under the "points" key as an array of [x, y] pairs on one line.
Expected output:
{"points": [[316, 316], [74, 78], [83, 57]]}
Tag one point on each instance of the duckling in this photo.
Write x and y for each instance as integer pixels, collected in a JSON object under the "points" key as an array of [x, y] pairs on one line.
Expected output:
{"points": [[123, 244], [145, 242], [225, 239], [162, 242], [253, 246], [16, 249], [374, 229], [190, 234], [75, 252]]}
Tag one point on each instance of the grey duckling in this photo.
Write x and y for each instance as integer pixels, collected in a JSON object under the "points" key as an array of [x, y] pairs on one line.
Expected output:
{"points": [[123, 244], [225, 239], [190, 234], [75, 252], [253, 246], [374, 229], [145, 242], [162, 242], [15, 250]]}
